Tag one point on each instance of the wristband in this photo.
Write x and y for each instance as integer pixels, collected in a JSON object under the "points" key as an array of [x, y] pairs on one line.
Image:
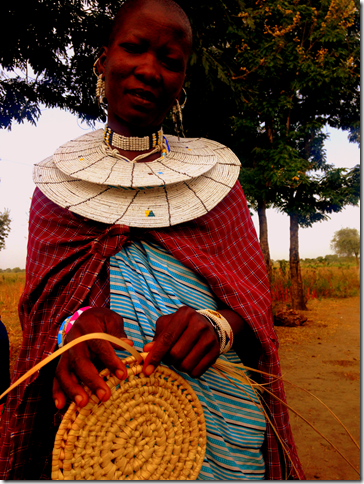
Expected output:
{"points": [[222, 328], [67, 325]]}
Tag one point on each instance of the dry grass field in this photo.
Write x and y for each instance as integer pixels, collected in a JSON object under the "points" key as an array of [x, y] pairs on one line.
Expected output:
{"points": [[319, 281], [11, 288]]}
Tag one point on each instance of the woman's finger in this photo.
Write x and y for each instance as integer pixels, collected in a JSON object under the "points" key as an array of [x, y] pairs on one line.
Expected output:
{"points": [[161, 323], [68, 383], [161, 346], [58, 396], [196, 341], [193, 346], [148, 346], [105, 352], [187, 341], [85, 370], [196, 362]]}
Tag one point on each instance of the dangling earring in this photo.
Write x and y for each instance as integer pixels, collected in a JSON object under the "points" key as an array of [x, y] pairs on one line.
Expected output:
{"points": [[177, 116], [100, 90], [100, 87]]}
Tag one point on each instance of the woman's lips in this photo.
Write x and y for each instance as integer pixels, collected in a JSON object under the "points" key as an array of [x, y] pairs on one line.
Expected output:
{"points": [[143, 97]]}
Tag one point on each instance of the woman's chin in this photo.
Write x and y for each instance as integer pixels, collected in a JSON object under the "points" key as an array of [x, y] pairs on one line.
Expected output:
{"points": [[135, 120]]}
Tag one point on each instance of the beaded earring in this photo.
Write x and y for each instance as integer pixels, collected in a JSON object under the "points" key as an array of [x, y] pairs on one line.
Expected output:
{"points": [[177, 116], [100, 90], [100, 86]]}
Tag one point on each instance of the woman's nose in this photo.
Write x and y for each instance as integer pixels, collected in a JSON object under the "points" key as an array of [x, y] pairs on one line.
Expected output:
{"points": [[148, 69]]}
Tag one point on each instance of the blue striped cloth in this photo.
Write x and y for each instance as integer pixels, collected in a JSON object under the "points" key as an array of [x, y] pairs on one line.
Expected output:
{"points": [[146, 282]]}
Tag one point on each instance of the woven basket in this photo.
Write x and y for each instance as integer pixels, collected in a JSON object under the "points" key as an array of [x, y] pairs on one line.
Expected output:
{"points": [[151, 428]]}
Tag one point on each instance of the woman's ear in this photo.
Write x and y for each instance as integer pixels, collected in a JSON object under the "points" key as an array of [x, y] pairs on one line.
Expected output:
{"points": [[100, 66]]}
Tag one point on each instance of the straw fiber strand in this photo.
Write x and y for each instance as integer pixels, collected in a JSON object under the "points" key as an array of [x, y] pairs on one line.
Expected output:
{"points": [[152, 428]]}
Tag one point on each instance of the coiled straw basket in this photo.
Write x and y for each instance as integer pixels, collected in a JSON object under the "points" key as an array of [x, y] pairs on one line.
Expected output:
{"points": [[152, 428]]}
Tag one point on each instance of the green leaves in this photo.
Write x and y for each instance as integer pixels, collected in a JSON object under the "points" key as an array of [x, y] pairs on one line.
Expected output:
{"points": [[17, 102], [52, 46], [298, 66]]}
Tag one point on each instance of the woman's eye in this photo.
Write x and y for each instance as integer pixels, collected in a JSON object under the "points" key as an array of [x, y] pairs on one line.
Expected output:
{"points": [[173, 64], [133, 48]]}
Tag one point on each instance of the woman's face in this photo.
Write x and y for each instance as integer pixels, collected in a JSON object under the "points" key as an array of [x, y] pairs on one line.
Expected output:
{"points": [[144, 67]]}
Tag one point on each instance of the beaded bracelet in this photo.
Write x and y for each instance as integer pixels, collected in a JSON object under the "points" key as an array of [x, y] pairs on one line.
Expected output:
{"points": [[222, 328], [67, 325], [218, 330]]}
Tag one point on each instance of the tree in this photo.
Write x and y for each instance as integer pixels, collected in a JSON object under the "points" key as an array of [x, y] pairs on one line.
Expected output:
{"points": [[299, 71], [50, 62], [311, 201], [346, 243], [4, 227], [265, 77]]}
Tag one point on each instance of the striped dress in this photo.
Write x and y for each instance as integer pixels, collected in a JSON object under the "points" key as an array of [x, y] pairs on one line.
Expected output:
{"points": [[146, 282]]}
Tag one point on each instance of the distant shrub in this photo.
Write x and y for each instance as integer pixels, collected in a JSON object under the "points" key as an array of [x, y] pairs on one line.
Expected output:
{"points": [[15, 270]]}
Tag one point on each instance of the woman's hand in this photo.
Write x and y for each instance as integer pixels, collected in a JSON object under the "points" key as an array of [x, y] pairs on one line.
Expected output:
{"points": [[184, 339], [75, 365]]}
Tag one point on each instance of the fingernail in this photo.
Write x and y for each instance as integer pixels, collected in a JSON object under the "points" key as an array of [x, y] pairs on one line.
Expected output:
{"points": [[78, 399], [120, 374], [100, 393], [56, 403], [149, 370]]}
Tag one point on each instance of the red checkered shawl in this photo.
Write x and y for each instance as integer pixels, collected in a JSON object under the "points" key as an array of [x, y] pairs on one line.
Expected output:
{"points": [[67, 265]]}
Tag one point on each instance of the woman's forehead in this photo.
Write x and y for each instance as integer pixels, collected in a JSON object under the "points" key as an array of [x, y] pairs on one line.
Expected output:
{"points": [[162, 14], [149, 23]]}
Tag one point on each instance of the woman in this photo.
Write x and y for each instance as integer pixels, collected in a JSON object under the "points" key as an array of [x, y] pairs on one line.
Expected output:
{"points": [[4, 363], [145, 246]]}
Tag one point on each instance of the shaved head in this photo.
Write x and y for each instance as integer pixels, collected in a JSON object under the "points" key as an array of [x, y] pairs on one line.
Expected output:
{"points": [[130, 7]]}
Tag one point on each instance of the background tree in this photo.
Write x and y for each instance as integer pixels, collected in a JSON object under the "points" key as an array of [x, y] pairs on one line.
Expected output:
{"points": [[299, 71], [311, 201], [4, 227], [346, 243], [50, 62]]}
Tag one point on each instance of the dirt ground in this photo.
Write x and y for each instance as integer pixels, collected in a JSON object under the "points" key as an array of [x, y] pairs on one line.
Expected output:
{"points": [[323, 356]]}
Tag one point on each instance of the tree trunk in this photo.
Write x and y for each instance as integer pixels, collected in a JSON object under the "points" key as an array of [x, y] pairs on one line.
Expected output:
{"points": [[263, 237], [357, 260], [298, 299]]}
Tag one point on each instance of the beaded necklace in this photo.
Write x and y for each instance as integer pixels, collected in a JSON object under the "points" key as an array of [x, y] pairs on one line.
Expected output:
{"points": [[132, 143], [155, 142]]}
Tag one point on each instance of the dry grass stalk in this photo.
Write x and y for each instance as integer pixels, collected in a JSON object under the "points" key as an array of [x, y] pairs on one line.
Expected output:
{"points": [[227, 368]]}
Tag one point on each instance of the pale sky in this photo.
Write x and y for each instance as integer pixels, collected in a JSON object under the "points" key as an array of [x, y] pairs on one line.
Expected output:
{"points": [[25, 145]]}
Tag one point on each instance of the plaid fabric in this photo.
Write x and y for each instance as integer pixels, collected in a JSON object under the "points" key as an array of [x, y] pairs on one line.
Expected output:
{"points": [[67, 267]]}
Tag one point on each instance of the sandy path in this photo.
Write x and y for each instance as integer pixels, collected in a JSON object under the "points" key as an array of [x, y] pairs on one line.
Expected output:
{"points": [[323, 356]]}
